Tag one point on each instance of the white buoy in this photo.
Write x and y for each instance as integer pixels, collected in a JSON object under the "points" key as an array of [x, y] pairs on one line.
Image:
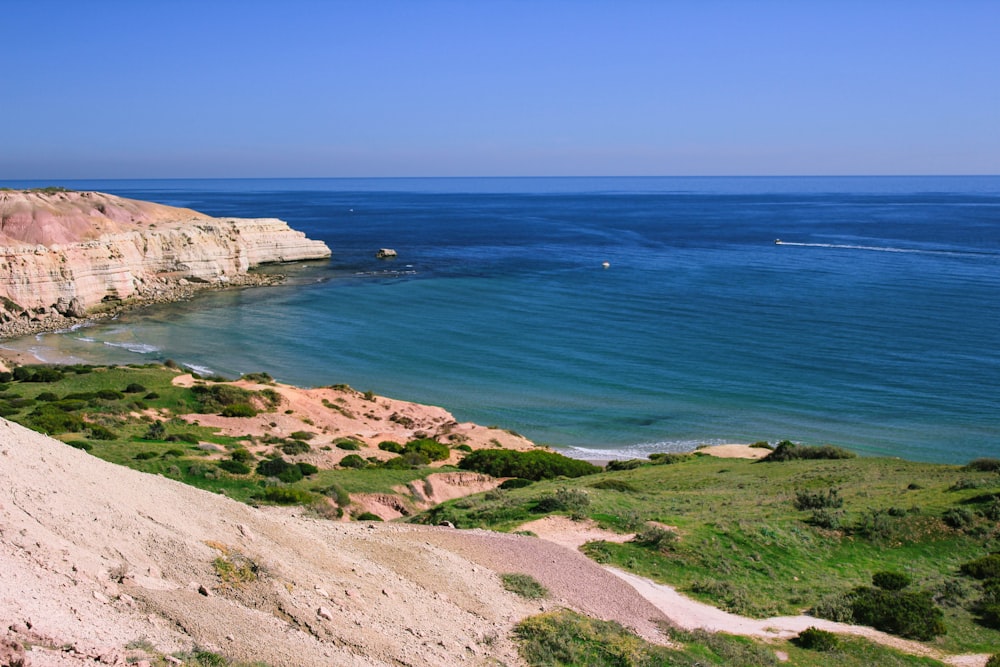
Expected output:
{"points": [[606, 264]]}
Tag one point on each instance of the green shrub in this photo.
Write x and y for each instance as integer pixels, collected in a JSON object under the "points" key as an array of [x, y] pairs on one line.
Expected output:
{"points": [[189, 438], [524, 585], [242, 455], [515, 483], [891, 581], [656, 538], [110, 395], [563, 500], [984, 465], [80, 444], [368, 516], [294, 447], [353, 461], [53, 421], [390, 446], [239, 410], [235, 467], [814, 500], [47, 397], [910, 615], [302, 435], [615, 485], [994, 660], [630, 464], [789, 451], [285, 495], [171, 452], [151, 396], [156, 431], [668, 458], [338, 493], [958, 518], [145, 456], [134, 388], [347, 444], [814, 639], [432, 449], [828, 519], [534, 465], [987, 567], [280, 468], [307, 469], [463, 448], [98, 432]]}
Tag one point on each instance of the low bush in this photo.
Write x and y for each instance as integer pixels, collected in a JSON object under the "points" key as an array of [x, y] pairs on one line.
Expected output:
{"points": [[353, 461], [80, 444], [668, 458], [294, 447], [516, 483], [134, 388], [242, 454], [302, 435], [814, 639], [656, 538], [368, 516], [814, 500], [524, 585], [280, 468], [307, 469], [390, 446], [110, 395], [993, 661], [347, 444], [828, 519], [235, 467], [630, 464], [534, 465], [145, 456], [983, 465], [98, 432], [789, 451], [987, 567], [910, 615], [285, 495], [432, 449], [615, 485], [564, 499], [958, 518], [239, 410], [891, 581]]}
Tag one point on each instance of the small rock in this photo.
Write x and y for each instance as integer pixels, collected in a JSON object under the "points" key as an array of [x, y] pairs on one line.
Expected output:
{"points": [[12, 653], [101, 597], [204, 591], [386, 593], [322, 592], [230, 638], [172, 660], [323, 612]]}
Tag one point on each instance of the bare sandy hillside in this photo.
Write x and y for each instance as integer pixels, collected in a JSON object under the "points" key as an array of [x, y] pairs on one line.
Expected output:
{"points": [[99, 564]]}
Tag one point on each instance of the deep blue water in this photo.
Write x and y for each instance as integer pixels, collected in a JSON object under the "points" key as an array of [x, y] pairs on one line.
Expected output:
{"points": [[875, 325]]}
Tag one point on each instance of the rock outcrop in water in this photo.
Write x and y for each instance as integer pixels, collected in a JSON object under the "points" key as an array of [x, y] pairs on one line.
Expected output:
{"points": [[66, 255]]}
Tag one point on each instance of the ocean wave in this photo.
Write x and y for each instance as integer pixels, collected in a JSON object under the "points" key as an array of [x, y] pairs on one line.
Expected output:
{"points": [[200, 370], [138, 348], [918, 251], [86, 339], [640, 450]]}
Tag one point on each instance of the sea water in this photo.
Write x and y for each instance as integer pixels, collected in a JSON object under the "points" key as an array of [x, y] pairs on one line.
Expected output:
{"points": [[615, 316]]}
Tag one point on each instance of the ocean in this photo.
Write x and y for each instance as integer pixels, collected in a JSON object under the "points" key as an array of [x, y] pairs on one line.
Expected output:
{"points": [[873, 325]]}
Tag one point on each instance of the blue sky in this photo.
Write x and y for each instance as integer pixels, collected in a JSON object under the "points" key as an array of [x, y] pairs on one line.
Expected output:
{"points": [[246, 88]]}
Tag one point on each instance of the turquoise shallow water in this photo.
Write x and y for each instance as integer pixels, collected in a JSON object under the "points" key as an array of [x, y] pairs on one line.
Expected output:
{"points": [[875, 325]]}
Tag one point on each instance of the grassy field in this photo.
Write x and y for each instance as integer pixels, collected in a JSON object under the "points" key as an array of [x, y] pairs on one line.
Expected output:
{"points": [[739, 540]]}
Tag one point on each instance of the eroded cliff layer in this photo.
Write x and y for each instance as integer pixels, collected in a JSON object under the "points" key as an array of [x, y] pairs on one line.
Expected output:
{"points": [[70, 254]]}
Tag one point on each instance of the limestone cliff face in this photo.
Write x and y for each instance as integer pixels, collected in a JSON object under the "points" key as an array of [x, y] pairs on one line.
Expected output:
{"points": [[66, 253]]}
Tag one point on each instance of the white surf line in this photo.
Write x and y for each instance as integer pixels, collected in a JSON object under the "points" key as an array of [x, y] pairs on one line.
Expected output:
{"points": [[690, 614]]}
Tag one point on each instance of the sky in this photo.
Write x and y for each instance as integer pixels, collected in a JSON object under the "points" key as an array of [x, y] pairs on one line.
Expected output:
{"points": [[368, 88]]}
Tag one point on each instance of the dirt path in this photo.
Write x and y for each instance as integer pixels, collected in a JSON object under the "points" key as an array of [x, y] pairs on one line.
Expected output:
{"points": [[690, 614]]}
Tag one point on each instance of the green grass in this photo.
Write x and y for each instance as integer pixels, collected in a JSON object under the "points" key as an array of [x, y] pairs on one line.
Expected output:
{"points": [[567, 639], [745, 547], [168, 454]]}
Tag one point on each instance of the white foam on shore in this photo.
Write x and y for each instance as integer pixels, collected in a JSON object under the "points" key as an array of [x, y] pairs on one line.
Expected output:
{"points": [[640, 450], [138, 348], [200, 370]]}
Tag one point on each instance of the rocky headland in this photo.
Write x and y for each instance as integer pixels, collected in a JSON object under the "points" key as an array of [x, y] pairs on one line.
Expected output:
{"points": [[66, 256]]}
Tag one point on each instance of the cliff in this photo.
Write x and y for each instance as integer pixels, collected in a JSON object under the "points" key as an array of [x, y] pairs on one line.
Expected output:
{"points": [[73, 254]]}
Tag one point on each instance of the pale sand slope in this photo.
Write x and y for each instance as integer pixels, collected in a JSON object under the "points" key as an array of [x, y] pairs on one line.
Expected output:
{"points": [[94, 556]]}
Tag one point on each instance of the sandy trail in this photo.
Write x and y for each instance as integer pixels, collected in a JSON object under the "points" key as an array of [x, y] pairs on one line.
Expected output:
{"points": [[689, 614]]}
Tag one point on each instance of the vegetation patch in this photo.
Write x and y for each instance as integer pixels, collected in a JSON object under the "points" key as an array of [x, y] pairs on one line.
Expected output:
{"points": [[524, 585], [533, 465]]}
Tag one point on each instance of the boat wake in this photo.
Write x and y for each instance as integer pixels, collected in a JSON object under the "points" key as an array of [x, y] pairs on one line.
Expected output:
{"points": [[916, 251]]}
